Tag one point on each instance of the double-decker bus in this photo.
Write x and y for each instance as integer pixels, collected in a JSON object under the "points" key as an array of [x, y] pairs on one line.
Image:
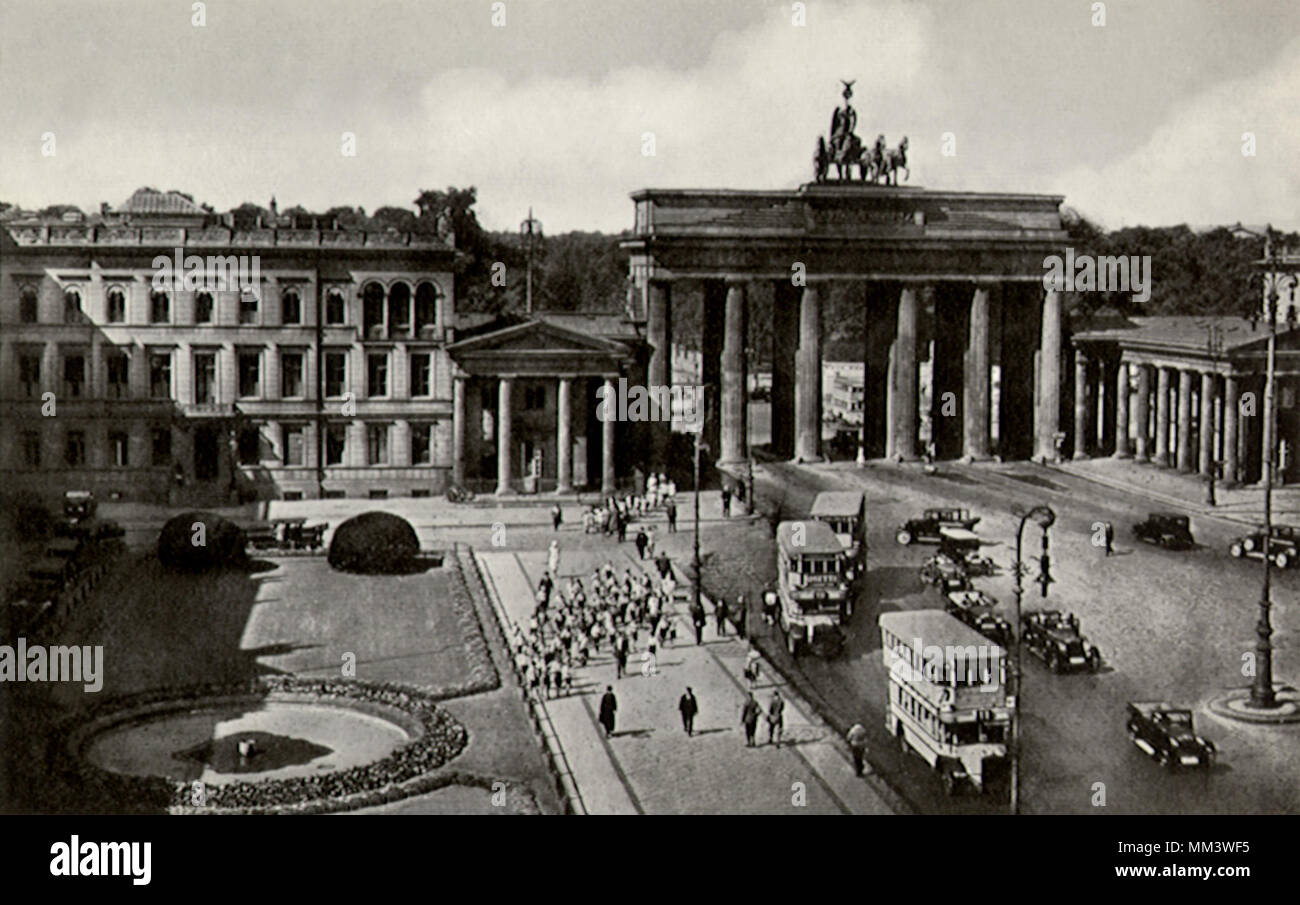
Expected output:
{"points": [[844, 511], [947, 694], [815, 599]]}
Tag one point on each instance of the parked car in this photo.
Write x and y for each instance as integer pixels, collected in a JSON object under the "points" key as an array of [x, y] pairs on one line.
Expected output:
{"points": [[945, 574], [1054, 637], [1166, 732], [1167, 530], [963, 546], [927, 527], [976, 609], [1284, 545], [81, 521]]}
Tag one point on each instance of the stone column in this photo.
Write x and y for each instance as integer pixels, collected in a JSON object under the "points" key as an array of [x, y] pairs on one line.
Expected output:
{"points": [[1162, 418], [1185, 462], [505, 439], [734, 391], [458, 430], [903, 389], [1080, 404], [1049, 378], [660, 369], [1207, 424], [1121, 412], [607, 477], [808, 377], [975, 405], [563, 438], [1231, 416], [1142, 414]]}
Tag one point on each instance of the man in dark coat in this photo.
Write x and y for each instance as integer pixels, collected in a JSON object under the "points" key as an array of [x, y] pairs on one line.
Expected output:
{"points": [[620, 654], [642, 541], [698, 617], [726, 502], [608, 707], [689, 707], [671, 510], [749, 719], [620, 526], [775, 719], [1110, 539], [720, 611]]}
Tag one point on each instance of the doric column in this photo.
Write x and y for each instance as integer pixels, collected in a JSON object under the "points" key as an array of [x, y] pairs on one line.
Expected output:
{"points": [[902, 395], [1142, 438], [1080, 404], [808, 377], [1231, 416], [458, 430], [1207, 423], [563, 438], [607, 481], [734, 391], [975, 405], [1161, 456], [1049, 378], [504, 433], [660, 368], [1122, 388], [1185, 462]]}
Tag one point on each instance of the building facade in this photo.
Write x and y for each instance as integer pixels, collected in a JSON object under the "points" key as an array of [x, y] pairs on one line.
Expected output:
{"points": [[286, 360]]}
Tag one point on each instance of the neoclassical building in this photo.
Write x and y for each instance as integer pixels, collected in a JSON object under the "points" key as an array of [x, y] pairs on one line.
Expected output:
{"points": [[320, 370]]}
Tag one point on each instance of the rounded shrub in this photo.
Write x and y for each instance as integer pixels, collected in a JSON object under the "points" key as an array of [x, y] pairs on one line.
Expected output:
{"points": [[374, 542], [198, 541]]}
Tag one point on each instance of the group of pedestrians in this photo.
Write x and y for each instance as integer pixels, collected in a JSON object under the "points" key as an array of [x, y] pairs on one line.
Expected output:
{"points": [[752, 710]]}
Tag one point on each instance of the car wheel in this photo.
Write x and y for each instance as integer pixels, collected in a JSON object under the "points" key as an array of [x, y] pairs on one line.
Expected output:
{"points": [[1248, 545], [1236, 550], [1094, 661], [1282, 560], [903, 537]]}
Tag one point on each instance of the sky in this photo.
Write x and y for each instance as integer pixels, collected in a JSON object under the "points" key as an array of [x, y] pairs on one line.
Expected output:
{"points": [[1171, 111]]}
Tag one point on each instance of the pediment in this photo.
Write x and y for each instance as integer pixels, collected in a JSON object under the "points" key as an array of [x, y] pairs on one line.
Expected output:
{"points": [[537, 336]]}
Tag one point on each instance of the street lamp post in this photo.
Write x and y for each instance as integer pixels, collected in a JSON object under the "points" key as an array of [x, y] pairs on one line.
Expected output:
{"points": [[530, 231], [1045, 517]]}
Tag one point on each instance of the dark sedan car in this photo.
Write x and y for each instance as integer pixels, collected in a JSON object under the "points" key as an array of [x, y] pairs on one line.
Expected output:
{"points": [[1166, 529], [1167, 734]]}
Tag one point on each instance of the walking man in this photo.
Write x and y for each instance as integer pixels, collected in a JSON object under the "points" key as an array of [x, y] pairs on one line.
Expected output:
{"points": [[1110, 539], [557, 516], [857, 737], [720, 612], [608, 707], [671, 510], [641, 542], [689, 707], [775, 718], [620, 654], [726, 502], [698, 618], [749, 719]]}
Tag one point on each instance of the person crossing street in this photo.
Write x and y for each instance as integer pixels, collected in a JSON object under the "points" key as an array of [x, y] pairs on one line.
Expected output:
{"points": [[688, 707]]}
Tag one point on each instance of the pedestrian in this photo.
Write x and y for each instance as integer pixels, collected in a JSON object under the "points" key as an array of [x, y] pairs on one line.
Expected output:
{"points": [[620, 655], [857, 737], [557, 516], [650, 543], [726, 502], [641, 541], [770, 600], [742, 615], [1110, 539], [620, 527], [689, 707], [752, 661], [552, 562], [749, 719], [608, 707], [775, 718], [720, 613], [672, 517], [698, 619]]}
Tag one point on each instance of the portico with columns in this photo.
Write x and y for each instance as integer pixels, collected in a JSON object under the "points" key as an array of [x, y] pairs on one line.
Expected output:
{"points": [[952, 278]]}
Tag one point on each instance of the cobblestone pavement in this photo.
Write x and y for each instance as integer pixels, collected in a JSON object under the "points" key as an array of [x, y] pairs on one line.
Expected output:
{"points": [[650, 765]]}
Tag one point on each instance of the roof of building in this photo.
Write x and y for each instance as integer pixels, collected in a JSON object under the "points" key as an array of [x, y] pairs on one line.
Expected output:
{"points": [[1178, 332], [151, 201], [837, 502]]}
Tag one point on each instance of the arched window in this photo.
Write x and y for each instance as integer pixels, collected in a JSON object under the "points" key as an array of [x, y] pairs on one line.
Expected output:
{"points": [[116, 298], [426, 308], [29, 304], [399, 310], [336, 307], [72, 306], [203, 308], [160, 307], [290, 307], [372, 303]]}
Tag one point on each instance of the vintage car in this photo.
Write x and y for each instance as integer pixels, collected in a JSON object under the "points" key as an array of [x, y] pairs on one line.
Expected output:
{"points": [[1054, 637], [945, 575], [81, 521], [963, 545], [1283, 546], [976, 609], [1166, 733], [1167, 530], [927, 527]]}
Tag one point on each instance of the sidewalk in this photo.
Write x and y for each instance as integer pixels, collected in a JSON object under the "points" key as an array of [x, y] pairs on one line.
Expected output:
{"points": [[649, 765]]}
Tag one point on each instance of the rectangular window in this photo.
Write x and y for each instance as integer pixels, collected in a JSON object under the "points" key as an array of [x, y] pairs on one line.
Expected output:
{"points": [[250, 374], [118, 449], [161, 440], [295, 444], [336, 443], [250, 446], [28, 309], [31, 446], [291, 375], [74, 449], [248, 304], [29, 373], [421, 374], [72, 307], [160, 308], [117, 370], [74, 375], [291, 307], [421, 444], [160, 375], [203, 308], [116, 306], [335, 307], [205, 378], [377, 444], [377, 375], [336, 373]]}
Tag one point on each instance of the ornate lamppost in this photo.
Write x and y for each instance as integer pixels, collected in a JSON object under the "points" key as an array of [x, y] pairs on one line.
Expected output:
{"points": [[530, 231], [1045, 518]]}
